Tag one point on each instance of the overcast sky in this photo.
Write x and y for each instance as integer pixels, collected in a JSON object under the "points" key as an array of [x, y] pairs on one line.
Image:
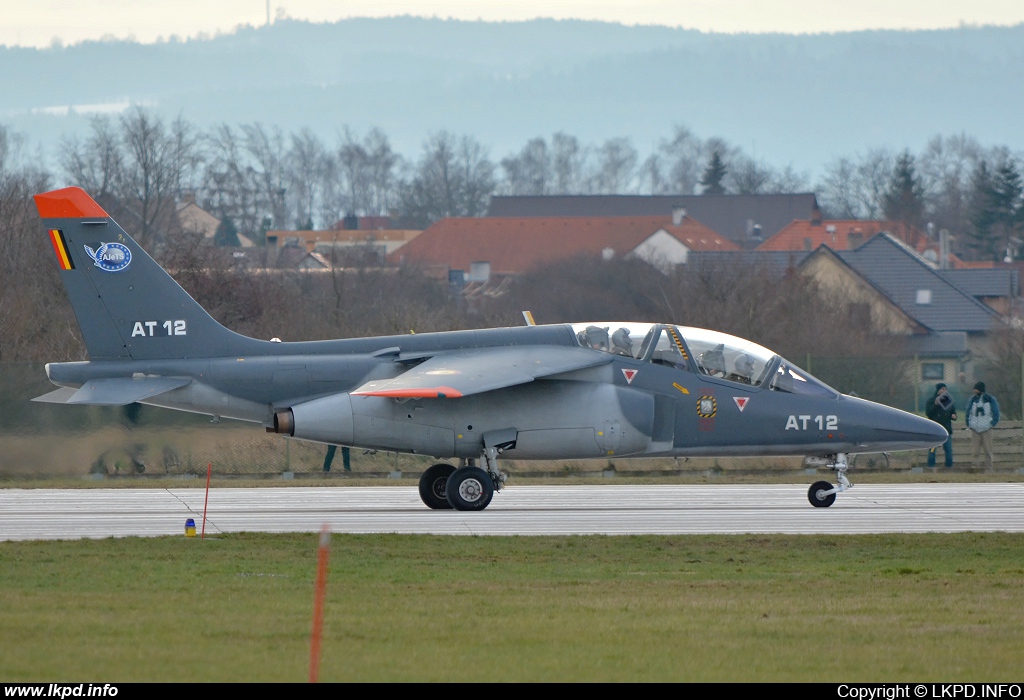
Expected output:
{"points": [[39, 22]]}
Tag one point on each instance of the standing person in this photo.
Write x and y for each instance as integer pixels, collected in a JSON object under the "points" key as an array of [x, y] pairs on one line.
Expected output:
{"points": [[942, 410], [982, 416]]}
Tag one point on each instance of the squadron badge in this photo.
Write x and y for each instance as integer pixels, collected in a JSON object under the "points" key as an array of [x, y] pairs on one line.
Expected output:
{"points": [[110, 257]]}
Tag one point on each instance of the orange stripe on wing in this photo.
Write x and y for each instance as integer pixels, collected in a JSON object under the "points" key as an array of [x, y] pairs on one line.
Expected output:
{"points": [[61, 249], [435, 392]]}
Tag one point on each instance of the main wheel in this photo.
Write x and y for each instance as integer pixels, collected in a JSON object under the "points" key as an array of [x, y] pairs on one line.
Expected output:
{"points": [[433, 485], [469, 488], [816, 496]]}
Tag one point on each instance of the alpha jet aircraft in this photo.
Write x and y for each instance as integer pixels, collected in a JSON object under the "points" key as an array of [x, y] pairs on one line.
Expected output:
{"points": [[566, 391]]}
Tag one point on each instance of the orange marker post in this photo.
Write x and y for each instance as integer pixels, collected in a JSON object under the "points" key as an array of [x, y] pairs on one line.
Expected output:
{"points": [[209, 469], [318, 603]]}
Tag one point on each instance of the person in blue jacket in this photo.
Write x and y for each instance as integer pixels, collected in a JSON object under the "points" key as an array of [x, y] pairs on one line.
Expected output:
{"points": [[982, 416]]}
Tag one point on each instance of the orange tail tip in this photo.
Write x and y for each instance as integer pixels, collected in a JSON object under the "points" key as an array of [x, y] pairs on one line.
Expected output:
{"points": [[68, 203]]}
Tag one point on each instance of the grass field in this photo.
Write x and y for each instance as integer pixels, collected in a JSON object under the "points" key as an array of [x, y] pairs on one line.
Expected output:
{"points": [[422, 608]]}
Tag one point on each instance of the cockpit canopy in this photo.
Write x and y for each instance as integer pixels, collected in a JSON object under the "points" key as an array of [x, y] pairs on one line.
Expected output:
{"points": [[700, 350]]}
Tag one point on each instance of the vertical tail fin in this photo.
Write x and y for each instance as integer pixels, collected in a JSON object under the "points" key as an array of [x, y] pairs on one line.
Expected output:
{"points": [[127, 306]]}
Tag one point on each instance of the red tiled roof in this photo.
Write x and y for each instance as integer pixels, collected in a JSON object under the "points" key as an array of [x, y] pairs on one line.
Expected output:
{"points": [[795, 235], [515, 245]]}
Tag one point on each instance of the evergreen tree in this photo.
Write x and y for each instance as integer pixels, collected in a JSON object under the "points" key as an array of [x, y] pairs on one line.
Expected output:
{"points": [[903, 200], [996, 210], [711, 181], [227, 234]]}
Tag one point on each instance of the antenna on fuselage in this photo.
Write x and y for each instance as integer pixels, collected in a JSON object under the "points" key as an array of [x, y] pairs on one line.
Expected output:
{"points": [[529, 318]]}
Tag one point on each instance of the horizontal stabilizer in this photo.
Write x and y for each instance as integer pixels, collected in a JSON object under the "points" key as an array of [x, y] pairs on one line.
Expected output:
{"points": [[119, 391], [58, 396], [467, 372]]}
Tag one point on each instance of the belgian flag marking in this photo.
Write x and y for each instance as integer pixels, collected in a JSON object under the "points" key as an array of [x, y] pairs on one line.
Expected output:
{"points": [[60, 247]]}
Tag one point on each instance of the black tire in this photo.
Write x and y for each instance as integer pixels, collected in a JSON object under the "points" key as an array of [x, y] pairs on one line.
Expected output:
{"points": [[817, 500], [469, 488], [433, 484]]}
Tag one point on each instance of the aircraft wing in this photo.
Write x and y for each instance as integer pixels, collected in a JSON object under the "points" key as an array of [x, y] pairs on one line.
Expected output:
{"points": [[466, 372], [119, 391]]}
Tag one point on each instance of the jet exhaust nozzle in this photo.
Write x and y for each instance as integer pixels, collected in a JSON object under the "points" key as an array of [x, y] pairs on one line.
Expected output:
{"points": [[284, 423]]}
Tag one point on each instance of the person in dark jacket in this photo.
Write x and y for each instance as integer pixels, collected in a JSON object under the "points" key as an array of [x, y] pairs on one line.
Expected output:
{"points": [[982, 416], [941, 409]]}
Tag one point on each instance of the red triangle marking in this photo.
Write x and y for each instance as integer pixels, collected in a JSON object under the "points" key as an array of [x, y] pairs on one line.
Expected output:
{"points": [[629, 374], [741, 402]]}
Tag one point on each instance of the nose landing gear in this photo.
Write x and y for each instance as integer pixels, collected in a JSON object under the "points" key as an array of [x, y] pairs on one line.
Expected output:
{"points": [[822, 494]]}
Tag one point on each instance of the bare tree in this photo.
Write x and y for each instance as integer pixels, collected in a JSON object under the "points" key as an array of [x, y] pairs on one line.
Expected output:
{"points": [[354, 169], [568, 164], [748, 176], [837, 191], [616, 167], [945, 169], [97, 165], [383, 163], [452, 178], [529, 172], [231, 186], [184, 157], [684, 158], [148, 168], [308, 166], [874, 173], [651, 176], [267, 171]]}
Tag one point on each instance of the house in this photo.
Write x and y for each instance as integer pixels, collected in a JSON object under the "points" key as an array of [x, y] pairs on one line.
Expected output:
{"points": [[333, 243], [744, 219], [942, 312], [481, 247], [193, 217]]}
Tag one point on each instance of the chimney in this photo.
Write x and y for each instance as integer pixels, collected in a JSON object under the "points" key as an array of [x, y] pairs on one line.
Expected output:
{"points": [[678, 214], [816, 216]]}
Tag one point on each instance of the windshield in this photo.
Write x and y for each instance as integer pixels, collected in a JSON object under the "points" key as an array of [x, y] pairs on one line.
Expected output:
{"points": [[726, 356], [792, 380]]}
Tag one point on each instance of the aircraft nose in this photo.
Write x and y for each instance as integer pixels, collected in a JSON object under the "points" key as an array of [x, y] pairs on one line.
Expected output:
{"points": [[908, 428], [892, 429]]}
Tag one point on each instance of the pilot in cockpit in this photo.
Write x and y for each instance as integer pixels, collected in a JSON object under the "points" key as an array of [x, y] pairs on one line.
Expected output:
{"points": [[713, 361], [744, 370], [594, 337], [621, 344]]}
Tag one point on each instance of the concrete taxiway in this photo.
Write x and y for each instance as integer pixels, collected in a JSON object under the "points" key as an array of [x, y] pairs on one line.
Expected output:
{"points": [[27, 514]]}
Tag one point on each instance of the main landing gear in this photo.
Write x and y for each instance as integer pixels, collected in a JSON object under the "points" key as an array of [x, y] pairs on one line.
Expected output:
{"points": [[469, 487], [822, 494]]}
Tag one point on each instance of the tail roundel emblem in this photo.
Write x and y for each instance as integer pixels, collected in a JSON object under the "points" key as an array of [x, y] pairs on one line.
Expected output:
{"points": [[110, 257]]}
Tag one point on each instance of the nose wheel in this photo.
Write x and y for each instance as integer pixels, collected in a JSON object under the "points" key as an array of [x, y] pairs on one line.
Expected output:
{"points": [[822, 494]]}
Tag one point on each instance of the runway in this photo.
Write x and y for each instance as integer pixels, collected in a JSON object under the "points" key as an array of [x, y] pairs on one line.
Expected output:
{"points": [[27, 514]]}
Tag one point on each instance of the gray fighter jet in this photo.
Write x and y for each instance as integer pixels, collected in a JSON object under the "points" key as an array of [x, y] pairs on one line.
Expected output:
{"points": [[566, 391]]}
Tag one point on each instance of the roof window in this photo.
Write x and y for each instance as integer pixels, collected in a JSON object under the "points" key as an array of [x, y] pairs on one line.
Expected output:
{"points": [[924, 296]]}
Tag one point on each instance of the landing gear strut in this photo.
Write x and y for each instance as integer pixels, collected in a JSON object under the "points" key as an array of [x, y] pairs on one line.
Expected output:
{"points": [[822, 494]]}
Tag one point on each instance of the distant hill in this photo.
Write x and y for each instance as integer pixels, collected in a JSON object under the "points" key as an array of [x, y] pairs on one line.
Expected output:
{"points": [[799, 100]]}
